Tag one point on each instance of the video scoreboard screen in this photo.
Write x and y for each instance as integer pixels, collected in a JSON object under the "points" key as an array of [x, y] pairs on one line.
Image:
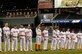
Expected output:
{"points": [[67, 3]]}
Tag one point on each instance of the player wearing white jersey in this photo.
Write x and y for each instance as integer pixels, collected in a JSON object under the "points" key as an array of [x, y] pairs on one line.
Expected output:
{"points": [[22, 38], [63, 39], [54, 39], [38, 38], [14, 33], [45, 36], [28, 32], [0, 38], [72, 44], [68, 39], [79, 40], [6, 31], [58, 38]]}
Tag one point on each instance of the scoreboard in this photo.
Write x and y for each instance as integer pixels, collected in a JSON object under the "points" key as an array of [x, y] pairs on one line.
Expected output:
{"points": [[67, 3]]}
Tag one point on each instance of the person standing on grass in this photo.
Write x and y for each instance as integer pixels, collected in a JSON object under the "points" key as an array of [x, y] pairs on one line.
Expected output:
{"points": [[0, 38], [72, 44], [45, 36], [38, 38], [14, 33], [22, 38], [28, 32], [6, 32], [63, 39], [68, 39], [54, 39], [58, 38], [79, 40]]}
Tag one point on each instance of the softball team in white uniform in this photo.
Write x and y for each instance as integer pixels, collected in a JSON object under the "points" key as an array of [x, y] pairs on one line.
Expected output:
{"points": [[79, 40], [22, 38], [60, 40], [14, 33], [72, 44], [45, 35], [28, 32], [54, 40], [6, 31], [68, 39], [63, 39], [38, 38]]}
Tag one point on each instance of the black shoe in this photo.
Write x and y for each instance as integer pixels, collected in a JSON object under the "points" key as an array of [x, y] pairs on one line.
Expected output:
{"points": [[40, 50], [36, 50], [45, 50]]}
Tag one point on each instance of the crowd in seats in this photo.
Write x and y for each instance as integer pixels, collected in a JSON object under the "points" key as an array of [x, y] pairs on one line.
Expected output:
{"points": [[21, 14], [75, 16], [62, 16], [65, 16]]}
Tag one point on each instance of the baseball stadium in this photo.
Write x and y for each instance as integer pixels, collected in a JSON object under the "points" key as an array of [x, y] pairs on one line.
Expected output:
{"points": [[40, 26]]}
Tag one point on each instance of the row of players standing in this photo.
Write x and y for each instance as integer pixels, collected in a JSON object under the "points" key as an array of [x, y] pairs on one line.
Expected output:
{"points": [[25, 35], [60, 39]]}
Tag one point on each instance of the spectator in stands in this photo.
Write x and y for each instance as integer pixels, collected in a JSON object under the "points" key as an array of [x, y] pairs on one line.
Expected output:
{"points": [[9, 15], [31, 14], [35, 13], [25, 14], [13, 14], [28, 14], [17, 14], [20, 13]]}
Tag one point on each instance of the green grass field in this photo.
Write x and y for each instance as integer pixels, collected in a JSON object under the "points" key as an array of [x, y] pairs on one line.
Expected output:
{"points": [[44, 52]]}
